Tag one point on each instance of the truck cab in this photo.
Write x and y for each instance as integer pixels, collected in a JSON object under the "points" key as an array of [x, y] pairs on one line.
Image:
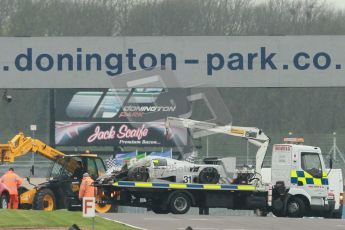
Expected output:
{"points": [[299, 179]]}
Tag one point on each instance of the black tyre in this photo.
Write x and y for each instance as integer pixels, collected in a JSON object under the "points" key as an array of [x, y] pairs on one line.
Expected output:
{"points": [[179, 203], [44, 200], [296, 207], [209, 175], [160, 210], [138, 174], [278, 213], [3, 201], [278, 207]]}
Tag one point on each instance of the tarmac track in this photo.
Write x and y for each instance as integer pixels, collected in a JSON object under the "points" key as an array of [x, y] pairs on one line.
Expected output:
{"points": [[181, 222]]}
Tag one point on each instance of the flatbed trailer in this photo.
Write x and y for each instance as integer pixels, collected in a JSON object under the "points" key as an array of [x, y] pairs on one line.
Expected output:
{"points": [[177, 198], [298, 184]]}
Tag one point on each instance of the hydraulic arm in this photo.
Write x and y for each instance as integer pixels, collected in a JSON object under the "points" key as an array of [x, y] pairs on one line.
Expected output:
{"points": [[253, 135]]}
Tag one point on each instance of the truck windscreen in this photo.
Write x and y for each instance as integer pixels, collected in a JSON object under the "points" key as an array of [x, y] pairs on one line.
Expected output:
{"points": [[311, 163]]}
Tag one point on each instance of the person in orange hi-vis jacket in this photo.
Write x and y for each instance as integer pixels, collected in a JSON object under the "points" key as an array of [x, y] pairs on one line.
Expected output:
{"points": [[12, 181], [86, 188]]}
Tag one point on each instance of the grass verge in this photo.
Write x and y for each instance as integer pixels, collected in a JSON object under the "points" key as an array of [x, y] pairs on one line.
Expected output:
{"points": [[59, 218]]}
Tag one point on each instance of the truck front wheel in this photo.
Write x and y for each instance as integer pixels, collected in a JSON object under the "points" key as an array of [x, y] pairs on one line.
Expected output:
{"points": [[179, 203], [296, 207], [44, 200]]}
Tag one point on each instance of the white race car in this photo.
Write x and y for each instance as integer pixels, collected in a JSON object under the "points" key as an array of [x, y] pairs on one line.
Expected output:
{"points": [[155, 168]]}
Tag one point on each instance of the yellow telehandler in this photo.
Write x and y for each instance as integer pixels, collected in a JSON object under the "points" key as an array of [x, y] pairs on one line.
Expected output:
{"points": [[61, 189]]}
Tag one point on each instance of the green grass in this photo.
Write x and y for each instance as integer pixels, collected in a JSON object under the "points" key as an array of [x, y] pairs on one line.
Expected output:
{"points": [[60, 218]]}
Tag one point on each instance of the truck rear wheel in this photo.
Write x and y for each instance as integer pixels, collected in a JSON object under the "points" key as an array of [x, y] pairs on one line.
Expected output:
{"points": [[278, 207], [296, 207], [4, 201], [209, 175], [160, 210], [278, 213], [44, 200], [179, 203]]}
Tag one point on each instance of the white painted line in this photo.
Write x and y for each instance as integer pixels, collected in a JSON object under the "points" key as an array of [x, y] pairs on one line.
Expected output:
{"points": [[119, 222]]}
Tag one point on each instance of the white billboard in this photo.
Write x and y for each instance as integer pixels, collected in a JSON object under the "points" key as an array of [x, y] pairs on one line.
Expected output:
{"points": [[217, 61]]}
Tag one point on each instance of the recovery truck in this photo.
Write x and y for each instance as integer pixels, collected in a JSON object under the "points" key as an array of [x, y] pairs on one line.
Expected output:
{"points": [[62, 187], [299, 184]]}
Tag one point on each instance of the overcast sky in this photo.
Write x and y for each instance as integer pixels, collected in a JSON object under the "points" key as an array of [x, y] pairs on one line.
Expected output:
{"points": [[334, 3], [337, 3]]}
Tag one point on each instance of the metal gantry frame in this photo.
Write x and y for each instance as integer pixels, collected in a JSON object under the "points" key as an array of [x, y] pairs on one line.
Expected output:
{"points": [[334, 151]]}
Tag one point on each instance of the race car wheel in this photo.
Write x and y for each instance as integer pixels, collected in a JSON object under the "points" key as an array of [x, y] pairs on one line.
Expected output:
{"points": [[179, 203], [138, 174], [4, 201], [209, 175]]}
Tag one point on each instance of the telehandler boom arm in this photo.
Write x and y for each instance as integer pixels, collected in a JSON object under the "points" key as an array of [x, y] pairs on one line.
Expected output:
{"points": [[20, 145]]}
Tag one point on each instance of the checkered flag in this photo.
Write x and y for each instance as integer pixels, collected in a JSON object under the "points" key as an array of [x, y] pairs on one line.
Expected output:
{"points": [[112, 164]]}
